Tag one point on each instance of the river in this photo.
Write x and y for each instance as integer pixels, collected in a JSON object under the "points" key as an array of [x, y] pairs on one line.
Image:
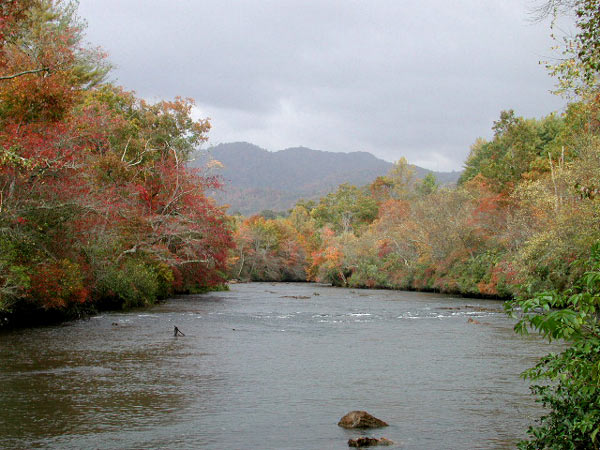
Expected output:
{"points": [[271, 366]]}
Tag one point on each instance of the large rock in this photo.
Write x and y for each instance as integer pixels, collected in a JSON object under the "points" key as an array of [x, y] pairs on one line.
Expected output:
{"points": [[368, 442], [361, 419]]}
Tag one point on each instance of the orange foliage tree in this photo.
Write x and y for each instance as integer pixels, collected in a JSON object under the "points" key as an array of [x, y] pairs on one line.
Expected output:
{"points": [[96, 201]]}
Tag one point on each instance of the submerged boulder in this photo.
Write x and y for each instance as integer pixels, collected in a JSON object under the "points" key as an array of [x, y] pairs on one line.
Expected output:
{"points": [[360, 419], [365, 441]]}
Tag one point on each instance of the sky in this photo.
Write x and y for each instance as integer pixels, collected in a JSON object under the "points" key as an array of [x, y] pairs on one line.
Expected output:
{"points": [[420, 79]]}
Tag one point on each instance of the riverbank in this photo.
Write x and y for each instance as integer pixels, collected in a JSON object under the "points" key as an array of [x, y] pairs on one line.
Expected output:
{"points": [[26, 315], [446, 291]]}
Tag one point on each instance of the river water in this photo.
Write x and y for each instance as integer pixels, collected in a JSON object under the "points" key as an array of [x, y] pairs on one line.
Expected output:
{"points": [[271, 366]]}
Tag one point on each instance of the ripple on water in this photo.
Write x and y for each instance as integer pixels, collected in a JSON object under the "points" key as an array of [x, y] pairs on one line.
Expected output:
{"points": [[257, 371]]}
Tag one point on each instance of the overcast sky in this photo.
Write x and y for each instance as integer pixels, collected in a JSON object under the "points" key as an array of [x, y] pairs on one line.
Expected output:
{"points": [[414, 78]]}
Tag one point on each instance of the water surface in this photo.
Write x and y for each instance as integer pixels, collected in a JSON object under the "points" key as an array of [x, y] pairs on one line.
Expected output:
{"points": [[271, 366]]}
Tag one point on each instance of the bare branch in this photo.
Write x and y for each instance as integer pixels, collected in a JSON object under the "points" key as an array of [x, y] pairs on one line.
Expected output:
{"points": [[26, 72], [552, 8], [126, 147], [128, 251]]}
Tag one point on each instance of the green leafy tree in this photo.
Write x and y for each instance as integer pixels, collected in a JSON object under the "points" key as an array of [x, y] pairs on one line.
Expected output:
{"points": [[568, 382], [578, 69], [427, 185], [348, 209], [402, 178], [519, 150]]}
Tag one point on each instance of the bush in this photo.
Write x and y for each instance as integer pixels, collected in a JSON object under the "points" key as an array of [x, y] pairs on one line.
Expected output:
{"points": [[570, 380], [134, 283], [369, 274], [58, 285]]}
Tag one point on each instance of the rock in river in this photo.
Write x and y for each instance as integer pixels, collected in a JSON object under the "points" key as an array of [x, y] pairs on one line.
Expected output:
{"points": [[361, 419], [368, 442]]}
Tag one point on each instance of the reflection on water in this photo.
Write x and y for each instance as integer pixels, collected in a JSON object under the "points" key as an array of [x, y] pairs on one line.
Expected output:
{"points": [[271, 366]]}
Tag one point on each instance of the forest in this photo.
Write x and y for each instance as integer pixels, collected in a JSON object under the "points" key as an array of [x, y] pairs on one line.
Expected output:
{"points": [[100, 209], [524, 209], [97, 206]]}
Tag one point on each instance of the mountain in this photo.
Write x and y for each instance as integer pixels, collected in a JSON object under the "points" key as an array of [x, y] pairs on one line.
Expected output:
{"points": [[257, 179]]}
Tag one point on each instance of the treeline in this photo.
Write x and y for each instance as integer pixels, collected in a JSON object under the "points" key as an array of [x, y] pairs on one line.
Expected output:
{"points": [[526, 206], [97, 208]]}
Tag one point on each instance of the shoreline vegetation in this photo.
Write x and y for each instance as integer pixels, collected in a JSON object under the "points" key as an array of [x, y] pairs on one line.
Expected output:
{"points": [[385, 288], [99, 209], [30, 318]]}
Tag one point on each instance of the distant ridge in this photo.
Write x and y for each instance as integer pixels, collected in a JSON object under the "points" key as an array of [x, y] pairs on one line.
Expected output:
{"points": [[257, 179]]}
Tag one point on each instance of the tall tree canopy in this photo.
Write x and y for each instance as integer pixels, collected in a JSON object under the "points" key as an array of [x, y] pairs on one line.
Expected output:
{"points": [[96, 202]]}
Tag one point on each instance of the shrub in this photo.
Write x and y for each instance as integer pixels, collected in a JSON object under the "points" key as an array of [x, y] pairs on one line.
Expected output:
{"points": [[134, 283], [569, 382]]}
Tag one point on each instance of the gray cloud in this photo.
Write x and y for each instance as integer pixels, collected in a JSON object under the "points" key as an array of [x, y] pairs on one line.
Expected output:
{"points": [[414, 78]]}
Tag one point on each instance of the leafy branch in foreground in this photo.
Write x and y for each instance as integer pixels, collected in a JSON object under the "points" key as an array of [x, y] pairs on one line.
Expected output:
{"points": [[578, 67], [568, 382]]}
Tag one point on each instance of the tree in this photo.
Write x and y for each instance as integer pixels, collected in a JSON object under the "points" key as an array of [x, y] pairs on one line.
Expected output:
{"points": [[268, 250], [569, 380], [43, 61], [519, 150], [349, 209], [96, 201], [577, 72], [402, 178], [427, 185]]}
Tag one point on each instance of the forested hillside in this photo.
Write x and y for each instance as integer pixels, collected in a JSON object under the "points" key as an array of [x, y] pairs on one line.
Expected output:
{"points": [[97, 208], [524, 209], [256, 179]]}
